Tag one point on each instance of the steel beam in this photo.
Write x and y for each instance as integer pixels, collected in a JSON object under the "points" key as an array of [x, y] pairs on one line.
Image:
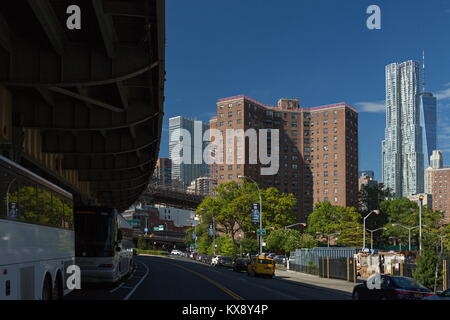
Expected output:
{"points": [[50, 23]]}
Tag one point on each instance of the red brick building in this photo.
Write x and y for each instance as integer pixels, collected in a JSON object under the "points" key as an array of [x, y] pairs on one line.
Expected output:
{"points": [[318, 149]]}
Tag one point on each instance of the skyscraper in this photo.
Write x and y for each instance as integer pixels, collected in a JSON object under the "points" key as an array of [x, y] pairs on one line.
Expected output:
{"points": [[188, 171], [402, 149], [428, 119]]}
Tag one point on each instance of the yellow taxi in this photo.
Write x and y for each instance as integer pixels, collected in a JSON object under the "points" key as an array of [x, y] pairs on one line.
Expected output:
{"points": [[261, 266]]}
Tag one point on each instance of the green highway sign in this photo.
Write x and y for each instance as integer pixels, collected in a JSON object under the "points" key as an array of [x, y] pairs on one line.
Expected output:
{"points": [[261, 232]]}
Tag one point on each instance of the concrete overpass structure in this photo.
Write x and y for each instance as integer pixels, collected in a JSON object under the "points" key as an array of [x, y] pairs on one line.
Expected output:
{"points": [[84, 108]]}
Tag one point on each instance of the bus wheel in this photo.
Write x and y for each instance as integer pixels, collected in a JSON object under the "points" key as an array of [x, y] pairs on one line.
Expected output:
{"points": [[58, 291], [47, 289]]}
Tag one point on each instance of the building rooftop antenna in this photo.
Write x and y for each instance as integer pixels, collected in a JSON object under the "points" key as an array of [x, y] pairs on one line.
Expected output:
{"points": [[423, 70]]}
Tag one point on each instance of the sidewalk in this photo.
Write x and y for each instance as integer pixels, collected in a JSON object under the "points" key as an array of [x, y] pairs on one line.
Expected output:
{"points": [[306, 279]]}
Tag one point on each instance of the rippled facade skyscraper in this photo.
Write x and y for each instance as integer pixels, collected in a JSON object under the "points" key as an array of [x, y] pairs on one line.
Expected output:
{"points": [[402, 149]]}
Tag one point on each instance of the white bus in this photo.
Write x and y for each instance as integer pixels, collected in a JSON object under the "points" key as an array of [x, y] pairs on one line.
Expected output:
{"points": [[101, 252], [36, 235]]}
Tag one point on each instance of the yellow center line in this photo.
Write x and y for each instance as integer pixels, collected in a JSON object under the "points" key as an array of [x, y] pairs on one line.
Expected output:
{"points": [[218, 285]]}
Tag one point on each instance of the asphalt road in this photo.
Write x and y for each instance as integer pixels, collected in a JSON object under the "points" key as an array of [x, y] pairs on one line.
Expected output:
{"points": [[158, 278]]}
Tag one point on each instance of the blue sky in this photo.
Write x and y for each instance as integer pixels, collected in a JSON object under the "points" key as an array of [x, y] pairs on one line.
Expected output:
{"points": [[318, 50]]}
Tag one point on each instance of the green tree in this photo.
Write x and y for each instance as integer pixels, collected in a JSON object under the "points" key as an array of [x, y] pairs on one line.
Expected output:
{"points": [[248, 245], [285, 241], [231, 207], [406, 212], [427, 264], [371, 195], [142, 243], [203, 244], [327, 219]]}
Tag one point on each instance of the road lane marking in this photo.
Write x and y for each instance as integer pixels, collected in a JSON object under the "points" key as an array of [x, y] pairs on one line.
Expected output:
{"points": [[116, 288], [139, 283], [218, 285]]}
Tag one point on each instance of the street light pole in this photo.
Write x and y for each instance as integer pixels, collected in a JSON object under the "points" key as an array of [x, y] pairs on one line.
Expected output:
{"points": [[409, 232], [421, 197], [295, 224], [364, 226], [371, 236], [260, 211], [330, 235]]}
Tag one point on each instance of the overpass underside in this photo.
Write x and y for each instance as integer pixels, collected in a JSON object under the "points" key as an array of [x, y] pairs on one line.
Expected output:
{"points": [[84, 107]]}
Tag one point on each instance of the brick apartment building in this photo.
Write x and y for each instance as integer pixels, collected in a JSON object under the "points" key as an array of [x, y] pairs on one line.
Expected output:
{"points": [[437, 184], [318, 153], [163, 172]]}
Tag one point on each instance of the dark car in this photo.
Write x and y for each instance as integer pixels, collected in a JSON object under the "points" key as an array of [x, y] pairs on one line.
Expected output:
{"points": [[206, 259], [224, 262], [386, 287], [240, 264], [280, 260]]}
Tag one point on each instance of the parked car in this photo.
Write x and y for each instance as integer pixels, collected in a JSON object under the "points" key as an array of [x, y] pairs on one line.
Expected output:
{"points": [[240, 264], [280, 260], [199, 257], [215, 259], [386, 287], [260, 266], [206, 259], [439, 296], [224, 262], [176, 252]]}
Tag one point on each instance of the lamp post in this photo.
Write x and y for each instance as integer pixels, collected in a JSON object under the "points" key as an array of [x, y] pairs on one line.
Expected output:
{"points": [[260, 211], [421, 197], [371, 236], [409, 232], [295, 224], [364, 227], [330, 235]]}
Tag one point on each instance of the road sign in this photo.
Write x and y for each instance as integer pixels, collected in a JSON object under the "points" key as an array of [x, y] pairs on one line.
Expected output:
{"points": [[255, 213], [261, 232], [156, 229], [145, 230]]}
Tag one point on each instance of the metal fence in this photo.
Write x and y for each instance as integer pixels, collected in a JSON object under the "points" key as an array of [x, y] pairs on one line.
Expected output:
{"points": [[311, 261], [342, 268]]}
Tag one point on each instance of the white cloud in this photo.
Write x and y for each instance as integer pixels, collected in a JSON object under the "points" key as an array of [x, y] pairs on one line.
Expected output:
{"points": [[444, 94], [372, 107]]}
